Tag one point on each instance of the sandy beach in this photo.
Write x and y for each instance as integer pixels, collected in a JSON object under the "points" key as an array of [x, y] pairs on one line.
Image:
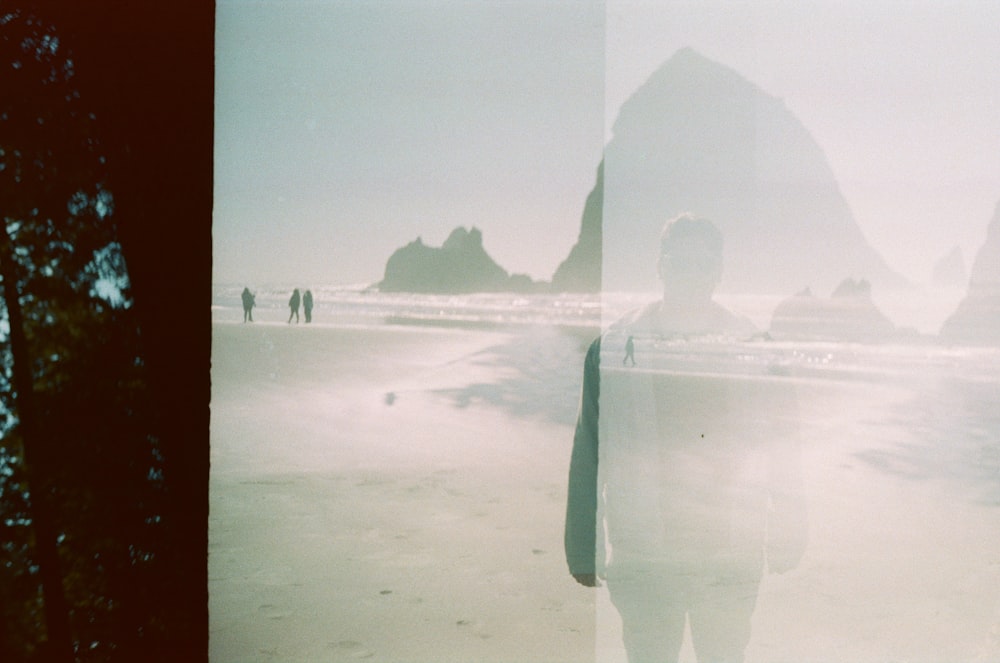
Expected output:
{"points": [[397, 493], [369, 501]]}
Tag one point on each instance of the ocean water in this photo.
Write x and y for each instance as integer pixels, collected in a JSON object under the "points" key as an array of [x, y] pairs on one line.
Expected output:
{"points": [[920, 310], [917, 353]]}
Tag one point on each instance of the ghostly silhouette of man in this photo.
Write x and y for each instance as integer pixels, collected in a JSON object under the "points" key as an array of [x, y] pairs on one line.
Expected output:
{"points": [[692, 469]]}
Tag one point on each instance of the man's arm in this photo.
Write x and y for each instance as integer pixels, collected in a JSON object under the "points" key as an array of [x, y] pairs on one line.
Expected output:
{"points": [[581, 503]]}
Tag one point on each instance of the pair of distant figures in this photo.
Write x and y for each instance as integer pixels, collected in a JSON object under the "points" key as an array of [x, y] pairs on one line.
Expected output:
{"points": [[296, 300], [305, 300]]}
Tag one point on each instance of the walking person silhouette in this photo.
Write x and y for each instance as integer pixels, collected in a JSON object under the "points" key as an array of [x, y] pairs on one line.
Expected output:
{"points": [[293, 304]]}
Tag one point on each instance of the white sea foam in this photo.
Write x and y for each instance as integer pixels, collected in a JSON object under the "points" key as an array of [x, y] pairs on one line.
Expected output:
{"points": [[360, 305], [922, 311]]}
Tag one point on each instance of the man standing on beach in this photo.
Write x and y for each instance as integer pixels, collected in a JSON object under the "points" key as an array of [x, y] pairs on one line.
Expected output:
{"points": [[248, 304], [307, 305], [682, 467]]}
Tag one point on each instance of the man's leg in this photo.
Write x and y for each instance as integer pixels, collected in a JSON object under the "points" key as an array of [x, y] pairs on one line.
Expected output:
{"points": [[721, 614], [653, 612]]}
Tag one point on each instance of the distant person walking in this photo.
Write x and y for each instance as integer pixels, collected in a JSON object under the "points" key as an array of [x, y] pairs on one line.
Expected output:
{"points": [[248, 304], [629, 351], [307, 305], [293, 304]]}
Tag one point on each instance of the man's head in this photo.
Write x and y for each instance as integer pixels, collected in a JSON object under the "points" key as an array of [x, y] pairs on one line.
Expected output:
{"points": [[690, 263]]}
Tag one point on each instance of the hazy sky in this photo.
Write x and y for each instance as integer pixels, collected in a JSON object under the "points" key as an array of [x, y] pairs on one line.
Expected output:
{"points": [[347, 129]]}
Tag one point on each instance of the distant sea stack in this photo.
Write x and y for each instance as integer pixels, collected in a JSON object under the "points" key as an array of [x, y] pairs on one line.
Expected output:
{"points": [[848, 315], [977, 319], [697, 137], [460, 265]]}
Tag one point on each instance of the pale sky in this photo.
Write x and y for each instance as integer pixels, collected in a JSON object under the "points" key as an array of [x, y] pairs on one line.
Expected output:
{"points": [[346, 129]]}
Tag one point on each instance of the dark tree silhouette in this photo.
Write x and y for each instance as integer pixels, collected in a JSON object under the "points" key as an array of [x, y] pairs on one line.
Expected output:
{"points": [[103, 441]]}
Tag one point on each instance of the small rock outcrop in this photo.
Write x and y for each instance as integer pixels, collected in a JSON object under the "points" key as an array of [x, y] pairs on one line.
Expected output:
{"points": [[848, 315], [460, 265]]}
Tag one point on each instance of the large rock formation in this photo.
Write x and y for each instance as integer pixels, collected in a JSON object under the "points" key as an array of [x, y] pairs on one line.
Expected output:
{"points": [[848, 315], [460, 265], [977, 319], [697, 137]]}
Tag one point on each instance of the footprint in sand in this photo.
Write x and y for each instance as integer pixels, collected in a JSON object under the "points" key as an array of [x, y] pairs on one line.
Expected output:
{"points": [[552, 606], [352, 648], [273, 612], [275, 576], [473, 628]]}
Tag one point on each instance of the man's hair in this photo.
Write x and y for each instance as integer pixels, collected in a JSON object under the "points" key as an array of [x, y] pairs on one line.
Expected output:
{"points": [[688, 226]]}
